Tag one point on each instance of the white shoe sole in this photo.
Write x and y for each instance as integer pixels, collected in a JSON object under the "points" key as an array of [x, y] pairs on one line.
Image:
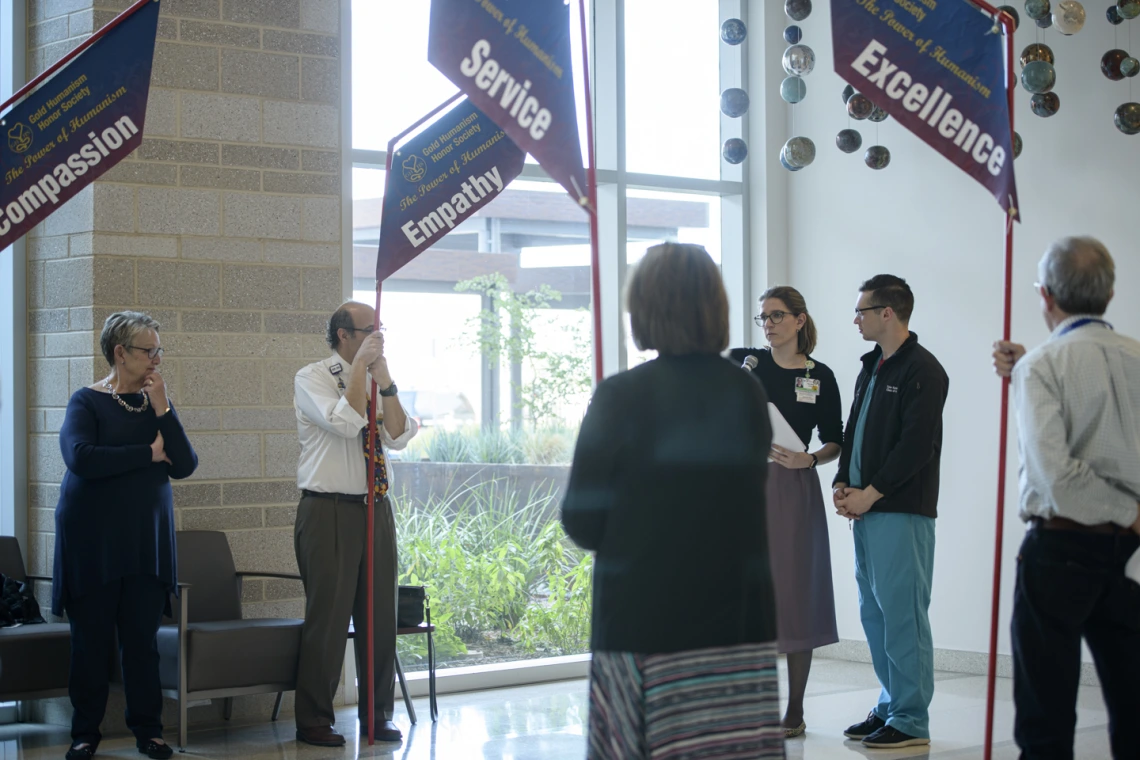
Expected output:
{"points": [[893, 745]]}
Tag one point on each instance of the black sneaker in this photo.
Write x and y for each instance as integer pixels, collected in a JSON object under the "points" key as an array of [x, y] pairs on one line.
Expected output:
{"points": [[866, 728], [889, 737]]}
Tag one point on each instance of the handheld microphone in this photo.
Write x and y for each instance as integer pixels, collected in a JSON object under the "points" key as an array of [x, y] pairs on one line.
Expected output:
{"points": [[749, 363]]}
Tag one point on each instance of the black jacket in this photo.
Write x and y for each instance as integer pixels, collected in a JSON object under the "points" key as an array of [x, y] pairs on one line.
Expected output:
{"points": [[902, 440], [667, 487]]}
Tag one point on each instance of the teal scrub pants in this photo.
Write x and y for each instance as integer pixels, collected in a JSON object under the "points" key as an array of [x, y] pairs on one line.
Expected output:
{"points": [[894, 566]]}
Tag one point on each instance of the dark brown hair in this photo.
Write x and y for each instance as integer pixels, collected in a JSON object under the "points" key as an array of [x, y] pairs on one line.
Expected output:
{"points": [[677, 303], [794, 300], [888, 290]]}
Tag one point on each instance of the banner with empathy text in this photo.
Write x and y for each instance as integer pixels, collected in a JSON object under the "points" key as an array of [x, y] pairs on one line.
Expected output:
{"points": [[76, 126], [457, 165], [939, 68], [512, 58]]}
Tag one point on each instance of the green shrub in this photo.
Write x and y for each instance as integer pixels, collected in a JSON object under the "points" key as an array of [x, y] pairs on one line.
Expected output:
{"points": [[495, 447], [449, 446]]}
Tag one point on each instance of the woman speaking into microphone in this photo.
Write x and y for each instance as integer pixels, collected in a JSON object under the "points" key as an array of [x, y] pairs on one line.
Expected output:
{"points": [[805, 393]]}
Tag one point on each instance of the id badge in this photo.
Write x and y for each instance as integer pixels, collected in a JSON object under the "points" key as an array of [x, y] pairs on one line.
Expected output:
{"points": [[807, 390]]}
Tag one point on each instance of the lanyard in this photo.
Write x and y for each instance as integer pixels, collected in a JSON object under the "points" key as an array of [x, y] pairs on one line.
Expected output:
{"points": [[1082, 322]]}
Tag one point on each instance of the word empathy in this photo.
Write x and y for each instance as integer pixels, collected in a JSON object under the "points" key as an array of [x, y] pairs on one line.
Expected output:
{"points": [[475, 190], [513, 97], [47, 189], [933, 108]]}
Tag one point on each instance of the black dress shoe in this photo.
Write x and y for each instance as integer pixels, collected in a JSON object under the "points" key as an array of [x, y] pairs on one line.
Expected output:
{"points": [[320, 736], [385, 731], [153, 749], [81, 753]]}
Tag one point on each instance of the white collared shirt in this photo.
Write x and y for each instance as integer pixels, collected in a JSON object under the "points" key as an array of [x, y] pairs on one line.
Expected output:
{"points": [[1077, 398], [332, 448]]}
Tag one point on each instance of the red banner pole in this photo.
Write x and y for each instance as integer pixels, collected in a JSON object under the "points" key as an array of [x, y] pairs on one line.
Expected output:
{"points": [[592, 192]]}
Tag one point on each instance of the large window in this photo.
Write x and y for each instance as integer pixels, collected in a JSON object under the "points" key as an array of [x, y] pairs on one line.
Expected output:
{"points": [[490, 332]]}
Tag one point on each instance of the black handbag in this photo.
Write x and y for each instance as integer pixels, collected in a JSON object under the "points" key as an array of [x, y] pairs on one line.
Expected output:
{"points": [[410, 603]]}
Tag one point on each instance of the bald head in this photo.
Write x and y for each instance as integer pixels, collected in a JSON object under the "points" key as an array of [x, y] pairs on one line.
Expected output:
{"points": [[1079, 274], [348, 316]]}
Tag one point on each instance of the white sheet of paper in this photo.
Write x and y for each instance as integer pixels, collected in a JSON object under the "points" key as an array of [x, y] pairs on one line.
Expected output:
{"points": [[782, 432], [1132, 569]]}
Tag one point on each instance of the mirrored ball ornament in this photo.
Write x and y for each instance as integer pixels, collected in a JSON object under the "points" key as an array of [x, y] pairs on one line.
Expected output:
{"points": [[793, 34], [784, 163], [1037, 9], [734, 102], [1110, 64], [1017, 145], [877, 157], [798, 10], [1129, 9], [733, 31], [849, 141], [1127, 118], [878, 115], [848, 91], [1130, 67], [1038, 77], [1012, 12], [1069, 16], [1037, 52], [793, 89], [1045, 105], [735, 150], [1113, 15], [799, 60], [800, 151], [859, 106], [1045, 23]]}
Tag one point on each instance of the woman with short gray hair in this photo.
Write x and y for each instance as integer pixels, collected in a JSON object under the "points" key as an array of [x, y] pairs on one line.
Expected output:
{"points": [[115, 563]]}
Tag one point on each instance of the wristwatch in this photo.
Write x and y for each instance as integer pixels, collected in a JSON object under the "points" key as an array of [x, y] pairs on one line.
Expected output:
{"points": [[391, 390], [814, 461]]}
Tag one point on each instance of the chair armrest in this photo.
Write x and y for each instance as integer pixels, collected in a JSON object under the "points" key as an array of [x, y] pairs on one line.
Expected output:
{"points": [[184, 585], [254, 574], [45, 578]]}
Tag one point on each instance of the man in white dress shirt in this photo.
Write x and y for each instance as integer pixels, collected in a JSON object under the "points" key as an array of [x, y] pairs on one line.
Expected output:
{"points": [[1077, 398], [331, 398]]}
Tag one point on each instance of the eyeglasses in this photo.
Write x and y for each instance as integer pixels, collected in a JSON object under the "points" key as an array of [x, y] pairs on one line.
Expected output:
{"points": [[775, 318], [151, 353], [366, 330], [860, 312]]}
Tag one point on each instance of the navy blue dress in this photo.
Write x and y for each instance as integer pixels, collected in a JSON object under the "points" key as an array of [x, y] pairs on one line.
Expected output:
{"points": [[115, 516]]}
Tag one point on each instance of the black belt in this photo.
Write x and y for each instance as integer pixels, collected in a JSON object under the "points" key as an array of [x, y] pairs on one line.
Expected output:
{"points": [[356, 498], [1061, 523]]}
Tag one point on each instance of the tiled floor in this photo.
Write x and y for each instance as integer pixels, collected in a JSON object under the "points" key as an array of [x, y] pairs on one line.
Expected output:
{"points": [[545, 722]]}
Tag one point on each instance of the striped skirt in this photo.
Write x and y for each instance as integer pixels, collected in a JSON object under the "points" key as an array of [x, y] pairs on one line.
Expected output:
{"points": [[721, 703]]}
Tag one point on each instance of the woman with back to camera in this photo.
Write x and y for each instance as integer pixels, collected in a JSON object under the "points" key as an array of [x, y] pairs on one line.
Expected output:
{"points": [[806, 394], [115, 563], [667, 487]]}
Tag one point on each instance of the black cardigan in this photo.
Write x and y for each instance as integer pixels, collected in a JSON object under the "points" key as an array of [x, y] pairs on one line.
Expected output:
{"points": [[668, 488]]}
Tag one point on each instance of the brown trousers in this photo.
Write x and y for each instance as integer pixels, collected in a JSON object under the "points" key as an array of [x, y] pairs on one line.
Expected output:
{"points": [[329, 538]]}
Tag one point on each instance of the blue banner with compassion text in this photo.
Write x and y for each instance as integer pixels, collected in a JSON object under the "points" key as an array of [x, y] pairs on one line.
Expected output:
{"points": [[457, 165], [937, 66], [85, 119]]}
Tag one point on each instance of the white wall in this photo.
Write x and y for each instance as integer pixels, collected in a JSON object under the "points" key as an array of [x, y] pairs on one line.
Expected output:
{"points": [[924, 219]]}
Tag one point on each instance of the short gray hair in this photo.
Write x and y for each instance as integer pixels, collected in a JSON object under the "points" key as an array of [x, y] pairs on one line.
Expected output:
{"points": [[1079, 273], [121, 328]]}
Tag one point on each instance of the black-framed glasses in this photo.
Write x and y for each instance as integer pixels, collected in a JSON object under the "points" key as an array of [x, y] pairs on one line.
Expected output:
{"points": [[775, 318], [860, 312], [366, 330], [151, 353]]}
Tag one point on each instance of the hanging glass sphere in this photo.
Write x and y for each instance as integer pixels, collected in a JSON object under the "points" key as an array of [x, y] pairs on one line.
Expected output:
{"points": [[1127, 118], [1130, 67], [784, 163], [1069, 16], [1038, 77], [849, 141], [733, 31], [1113, 16], [1045, 104], [878, 115], [793, 89], [797, 9], [1037, 52], [1017, 145], [799, 60], [859, 106], [734, 102], [877, 157], [735, 150], [1045, 23], [793, 34], [1110, 64], [848, 91], [800, 151], [1129, 9], [1037, 9], [1013, 12]]}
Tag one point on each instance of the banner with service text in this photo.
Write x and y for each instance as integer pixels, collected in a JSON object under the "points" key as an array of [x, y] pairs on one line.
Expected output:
{"points": [[457, 165], [939, 68], [76, 126], [512, 58]]}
